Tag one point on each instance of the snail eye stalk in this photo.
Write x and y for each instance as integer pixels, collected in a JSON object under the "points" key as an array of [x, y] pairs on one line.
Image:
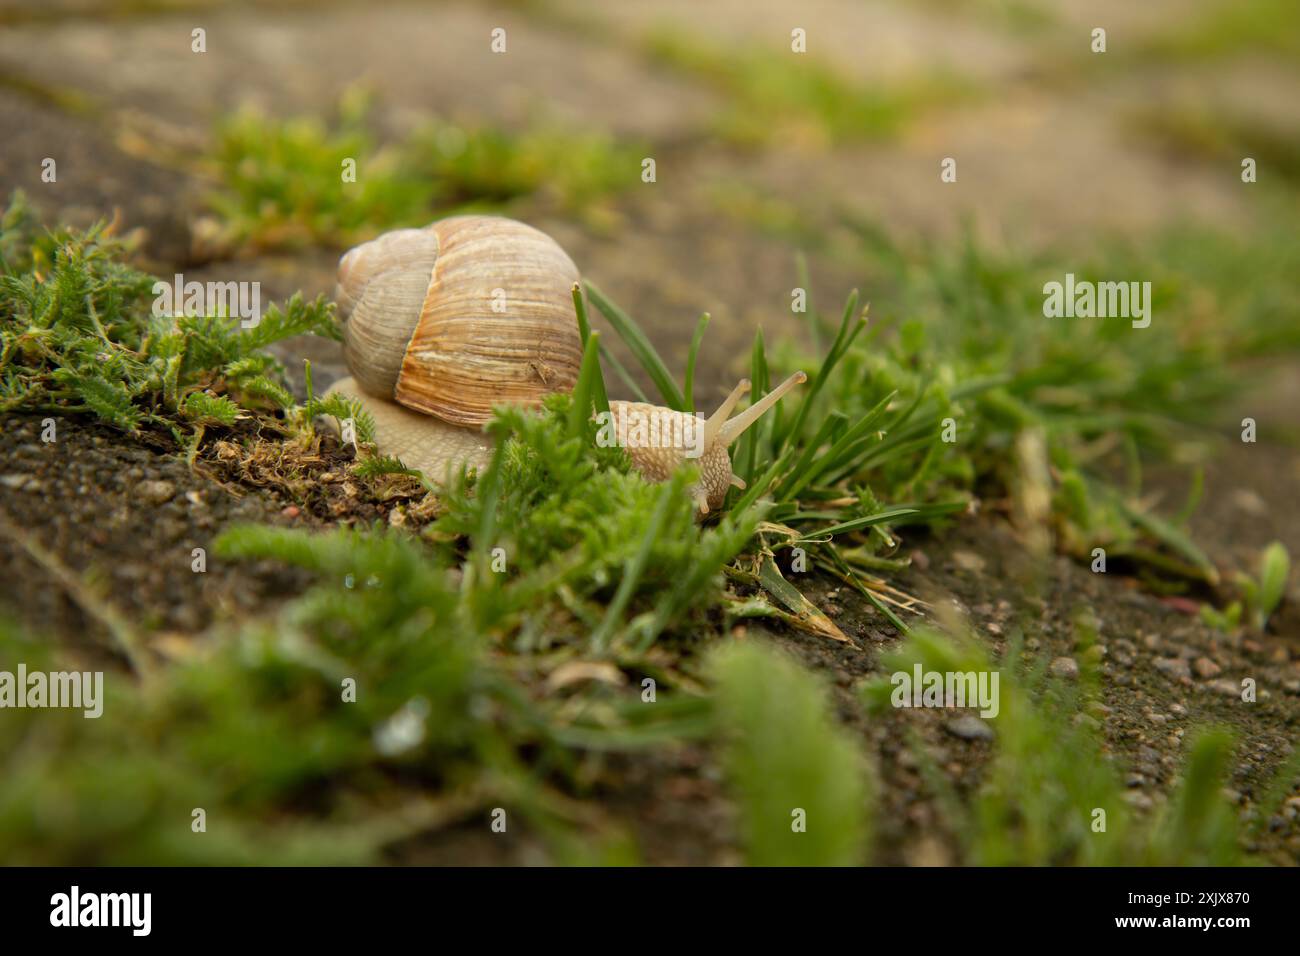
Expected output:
{"points": [[729, 431]]}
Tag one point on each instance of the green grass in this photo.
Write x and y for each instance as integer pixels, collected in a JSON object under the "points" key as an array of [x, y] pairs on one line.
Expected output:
{"points": [[259, 734], [973, 345], [78, 334], [772, 94], [558, 552], [804, 790], [1030, 18], [968, 339], [282, 186], [1218, 136], [1259, 595], [1228, 28]]}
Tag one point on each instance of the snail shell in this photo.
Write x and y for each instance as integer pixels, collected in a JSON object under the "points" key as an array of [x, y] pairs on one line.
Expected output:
{"points": [[465, 314], [446, 322]]}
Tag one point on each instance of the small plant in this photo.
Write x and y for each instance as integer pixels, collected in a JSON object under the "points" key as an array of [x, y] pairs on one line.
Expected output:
{"points": [[290, 183], [572, 171], [800, 781], [78, 335], [1264, 594], [772, 93], [1259, 596]]}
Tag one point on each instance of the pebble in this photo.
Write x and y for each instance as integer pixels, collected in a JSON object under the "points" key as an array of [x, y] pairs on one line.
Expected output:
{"points": [[1087, 720], [155, 492], [1138, 799], [1066, 667], [1226, 687], [1249, 502], [1206, 668], [969, 727], [1174, 667]]}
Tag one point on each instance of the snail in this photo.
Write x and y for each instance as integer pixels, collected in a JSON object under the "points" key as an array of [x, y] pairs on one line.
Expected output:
{"points": [[657, 461], [445, 322]]}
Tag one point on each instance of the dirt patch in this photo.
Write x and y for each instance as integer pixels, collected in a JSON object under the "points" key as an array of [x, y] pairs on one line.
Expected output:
{"points": [[122, 518], [99, 526]]}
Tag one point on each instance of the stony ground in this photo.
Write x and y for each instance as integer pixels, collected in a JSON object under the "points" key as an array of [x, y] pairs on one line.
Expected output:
{"points": [[1050, 149]]}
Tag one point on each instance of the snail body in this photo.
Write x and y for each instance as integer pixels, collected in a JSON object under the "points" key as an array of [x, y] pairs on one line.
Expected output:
{"points": [[444, 323], [421, 441], [706, 444]]}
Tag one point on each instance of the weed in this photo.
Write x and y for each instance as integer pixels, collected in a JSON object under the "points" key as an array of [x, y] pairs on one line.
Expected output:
{"points": [[1217, 136], [1228, 28], [285, 184], [1259, 596], [1050, 794], [78, 335], [801, 784], [288, 183], [772, 94]]}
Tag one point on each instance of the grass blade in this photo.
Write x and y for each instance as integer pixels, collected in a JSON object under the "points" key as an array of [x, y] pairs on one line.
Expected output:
{"points": [[635, 566], [812, 619], [689, 386], [589, 388], [880, 517], [843, 341], [645, 353], [622, 372]]}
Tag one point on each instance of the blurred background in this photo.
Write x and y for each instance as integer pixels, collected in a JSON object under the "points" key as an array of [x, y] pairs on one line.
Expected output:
{"points": [[227, 160]]}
